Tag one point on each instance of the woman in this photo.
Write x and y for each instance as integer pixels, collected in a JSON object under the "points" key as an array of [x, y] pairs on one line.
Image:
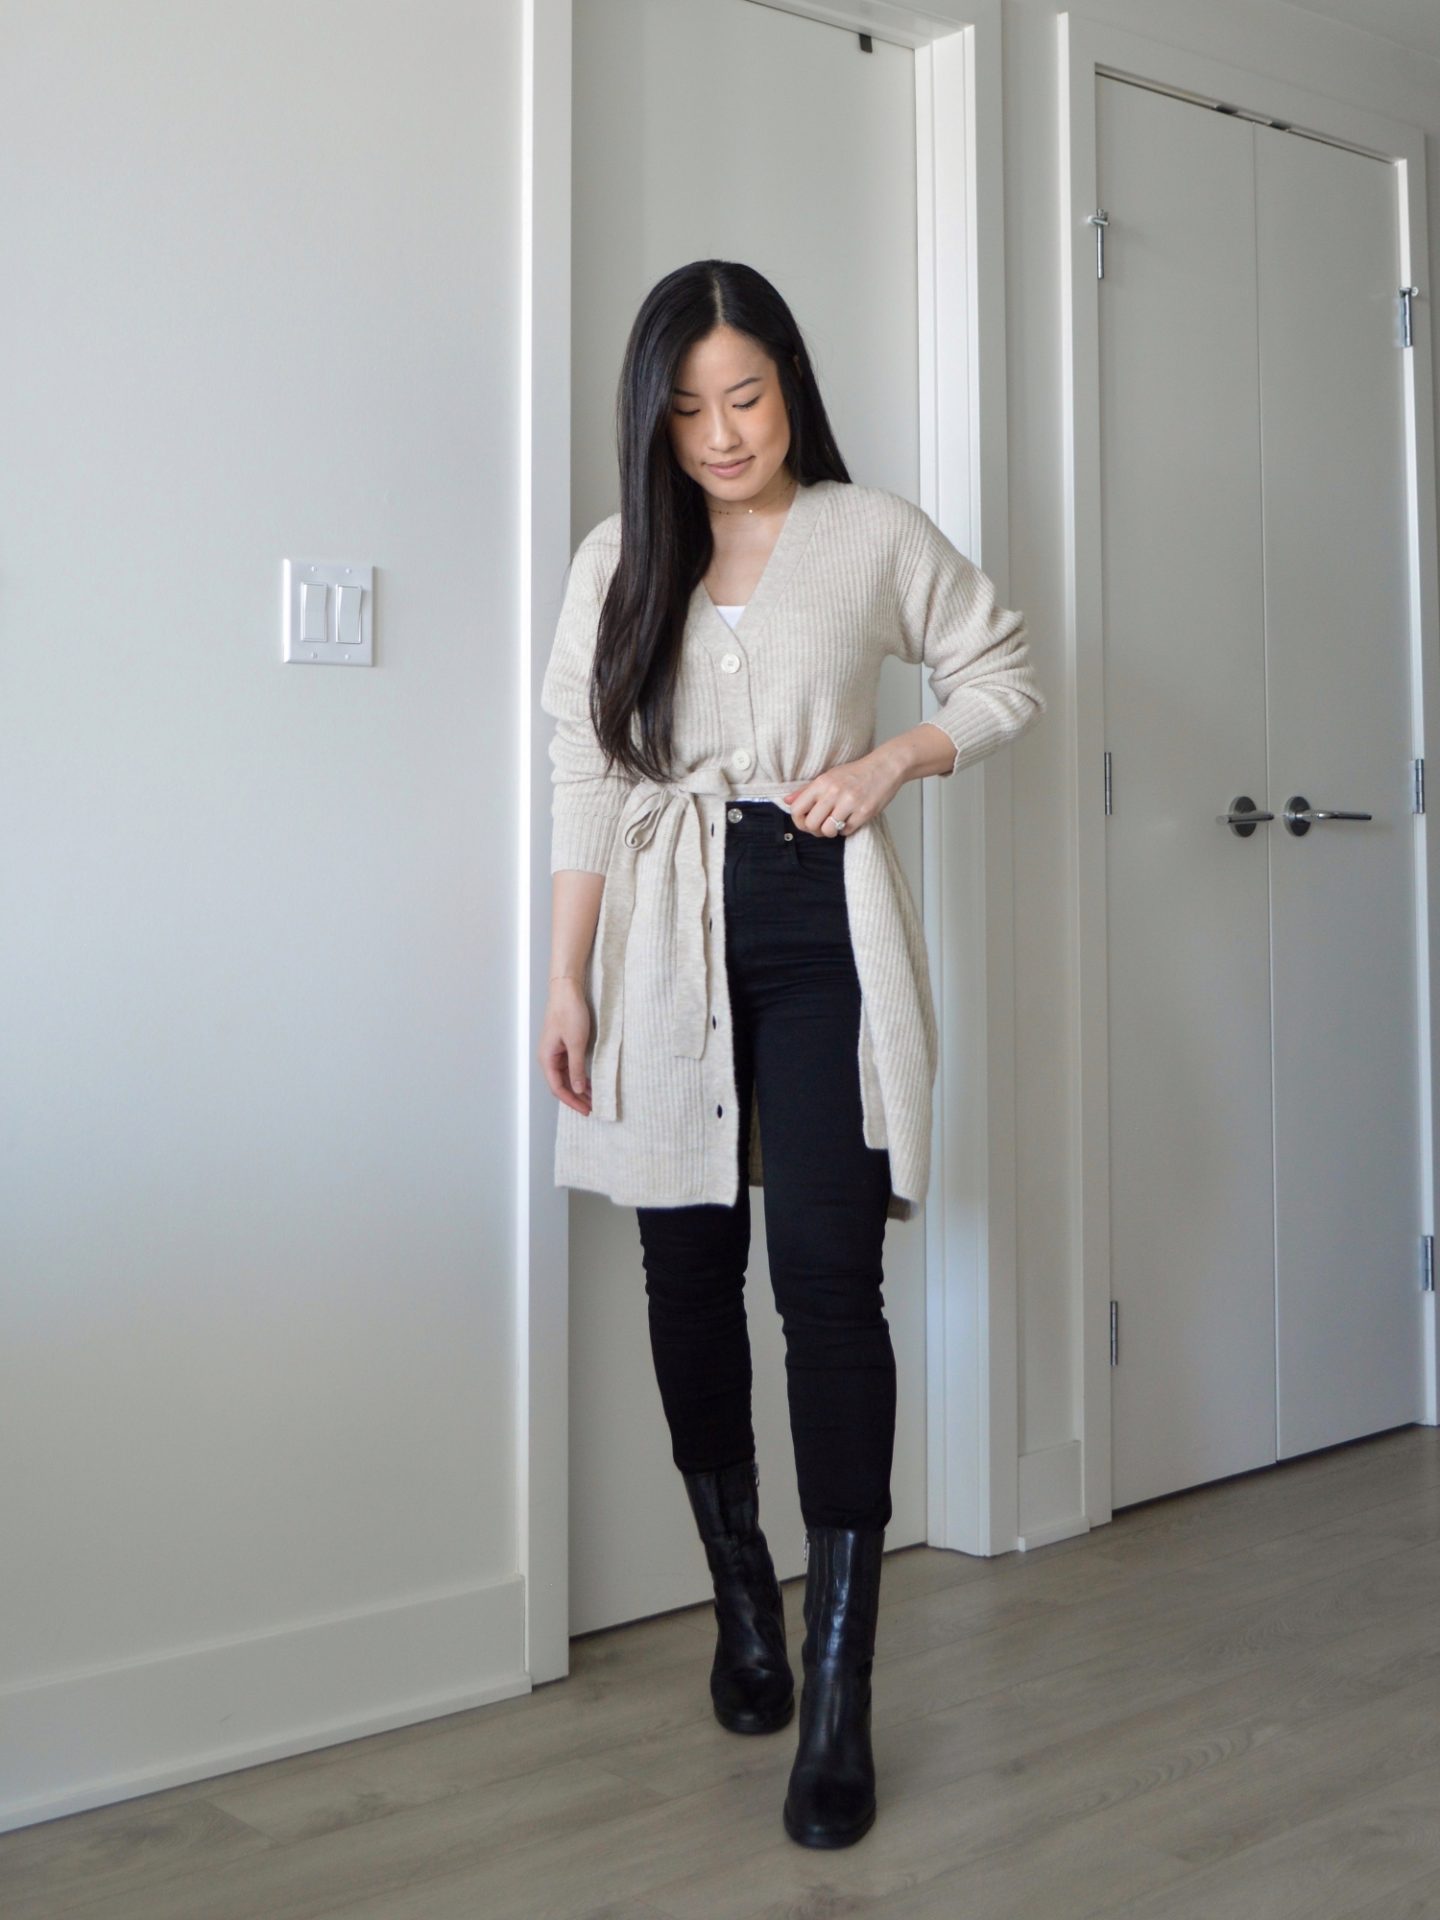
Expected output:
{"points": [[734, 941]]}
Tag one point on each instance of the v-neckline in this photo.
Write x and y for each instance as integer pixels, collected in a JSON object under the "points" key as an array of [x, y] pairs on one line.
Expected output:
{"points": [[799, 520]]}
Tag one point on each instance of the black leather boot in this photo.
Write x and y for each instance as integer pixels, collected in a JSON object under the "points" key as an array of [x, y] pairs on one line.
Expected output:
{"points": [[750, 1682], [831, 1799]]}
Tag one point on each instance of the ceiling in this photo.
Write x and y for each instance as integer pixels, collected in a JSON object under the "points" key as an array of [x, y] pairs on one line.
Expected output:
{"points": [[1414, 24]]}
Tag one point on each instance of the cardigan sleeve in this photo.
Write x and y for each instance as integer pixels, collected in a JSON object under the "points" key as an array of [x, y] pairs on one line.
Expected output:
{"points": [[585, 798], [977, 651]]}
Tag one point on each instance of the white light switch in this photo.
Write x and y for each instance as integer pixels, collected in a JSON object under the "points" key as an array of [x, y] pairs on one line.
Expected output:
{"points": [[326, 609], [347, 620], [314, 610]]}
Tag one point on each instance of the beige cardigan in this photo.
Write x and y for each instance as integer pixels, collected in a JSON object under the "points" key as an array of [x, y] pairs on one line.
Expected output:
{"points": [[856, 573]]}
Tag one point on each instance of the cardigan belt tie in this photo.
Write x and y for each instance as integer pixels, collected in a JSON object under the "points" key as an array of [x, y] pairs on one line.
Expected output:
{"points": [[662, 820]]}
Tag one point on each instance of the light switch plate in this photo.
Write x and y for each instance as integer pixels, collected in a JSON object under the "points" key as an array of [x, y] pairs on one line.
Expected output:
{"points": [[326, 607]]}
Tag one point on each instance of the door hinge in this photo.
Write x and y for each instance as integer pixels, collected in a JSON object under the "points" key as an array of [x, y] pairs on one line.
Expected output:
{"points": [[1114, 1333], [1427, 1263], [1100, 219], [1109, 794], [1418, 804], [1407, 330]]}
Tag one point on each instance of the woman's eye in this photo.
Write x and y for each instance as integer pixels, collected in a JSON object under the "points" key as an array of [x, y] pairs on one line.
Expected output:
{"points": [[741, 406]]}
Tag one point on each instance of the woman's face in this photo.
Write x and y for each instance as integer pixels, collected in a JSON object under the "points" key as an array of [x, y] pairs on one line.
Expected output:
{"points": [[728, 424]]}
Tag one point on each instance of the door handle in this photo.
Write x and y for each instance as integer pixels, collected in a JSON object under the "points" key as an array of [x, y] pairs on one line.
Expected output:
{"points": [[1300, 815], [1244, 816]]}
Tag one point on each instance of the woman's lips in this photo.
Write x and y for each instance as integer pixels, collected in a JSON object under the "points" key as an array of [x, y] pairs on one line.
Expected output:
{"points": [[727, 473]]}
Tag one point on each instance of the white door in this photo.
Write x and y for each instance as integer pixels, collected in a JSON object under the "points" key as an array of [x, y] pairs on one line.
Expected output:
{"points": [[1264, 1112], [1343, 896], [718, 128]]}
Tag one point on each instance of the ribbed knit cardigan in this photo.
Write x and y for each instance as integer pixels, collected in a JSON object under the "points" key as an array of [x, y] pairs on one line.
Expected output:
{"points": [[855, 573]]}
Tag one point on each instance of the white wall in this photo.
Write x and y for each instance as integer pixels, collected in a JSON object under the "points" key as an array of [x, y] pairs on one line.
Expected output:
{"points": [[259, 296], [258, 272]]}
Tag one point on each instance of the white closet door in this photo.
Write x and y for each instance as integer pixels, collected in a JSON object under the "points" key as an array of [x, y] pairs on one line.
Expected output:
{"points": [[1262, 1000], [1343, 896], [1192, 1229], [823, 203]]}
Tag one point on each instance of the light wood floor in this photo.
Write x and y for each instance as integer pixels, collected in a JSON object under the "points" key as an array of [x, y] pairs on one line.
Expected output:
{"points": [[1222, 1706]]}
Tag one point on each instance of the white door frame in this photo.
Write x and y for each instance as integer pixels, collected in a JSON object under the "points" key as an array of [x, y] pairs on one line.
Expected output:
{"points": [[971, 1317], [1088, 48]]}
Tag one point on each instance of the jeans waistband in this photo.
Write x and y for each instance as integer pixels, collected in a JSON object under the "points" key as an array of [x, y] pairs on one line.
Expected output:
{"points": [[762, 817]]}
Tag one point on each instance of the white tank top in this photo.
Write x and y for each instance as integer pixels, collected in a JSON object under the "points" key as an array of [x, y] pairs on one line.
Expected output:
{"points": [[732, 614]]}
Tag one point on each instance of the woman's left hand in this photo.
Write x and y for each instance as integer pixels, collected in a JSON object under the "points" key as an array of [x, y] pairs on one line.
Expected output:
{"points": [[855, 791]]}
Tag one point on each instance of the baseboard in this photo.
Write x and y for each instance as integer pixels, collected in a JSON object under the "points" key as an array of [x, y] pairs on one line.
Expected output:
{"points": [[1051, 1495], [89, 1739]]}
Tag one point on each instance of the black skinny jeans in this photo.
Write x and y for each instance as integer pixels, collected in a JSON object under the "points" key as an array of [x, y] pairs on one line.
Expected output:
{"points": [[795, 1001]]}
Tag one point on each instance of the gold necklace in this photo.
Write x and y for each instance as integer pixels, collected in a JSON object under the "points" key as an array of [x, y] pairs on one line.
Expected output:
{"points": [[715, 512]]}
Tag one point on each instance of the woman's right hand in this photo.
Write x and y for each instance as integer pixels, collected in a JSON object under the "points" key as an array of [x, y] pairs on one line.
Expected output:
{"points": [[564, 1036]]}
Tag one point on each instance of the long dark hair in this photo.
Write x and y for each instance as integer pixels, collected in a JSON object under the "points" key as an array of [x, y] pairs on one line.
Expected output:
{"points": [[666, 544]]}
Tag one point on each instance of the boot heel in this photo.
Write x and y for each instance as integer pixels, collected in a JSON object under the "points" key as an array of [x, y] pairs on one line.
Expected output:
{"points": [[752, 1687]]}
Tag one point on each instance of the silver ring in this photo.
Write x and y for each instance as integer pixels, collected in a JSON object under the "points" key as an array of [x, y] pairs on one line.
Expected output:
{"points": [[840, 825]]}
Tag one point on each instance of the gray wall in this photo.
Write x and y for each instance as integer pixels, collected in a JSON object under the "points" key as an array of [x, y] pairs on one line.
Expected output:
{"points": [[258, 298]]}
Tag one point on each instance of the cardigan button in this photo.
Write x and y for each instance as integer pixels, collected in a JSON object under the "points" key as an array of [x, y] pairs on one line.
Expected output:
{"points": [[730, 662], [742, 757]]}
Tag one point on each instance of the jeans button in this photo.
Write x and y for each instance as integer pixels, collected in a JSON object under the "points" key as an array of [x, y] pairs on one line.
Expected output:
{"points": [[733, 814]]}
